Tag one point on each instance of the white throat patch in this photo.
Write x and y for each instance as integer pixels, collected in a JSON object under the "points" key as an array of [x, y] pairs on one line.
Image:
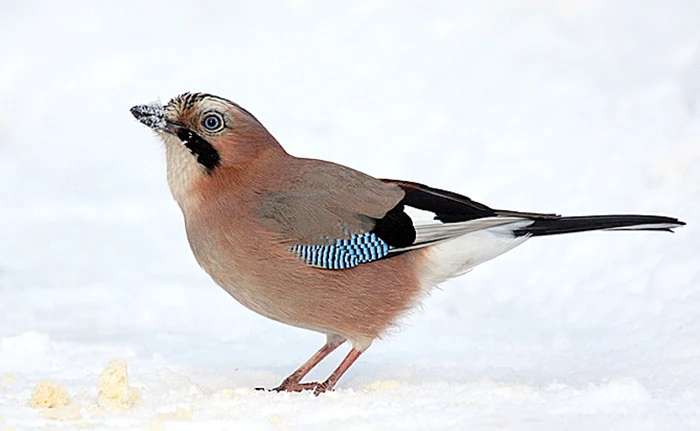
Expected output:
{"points": [[182, 167]]}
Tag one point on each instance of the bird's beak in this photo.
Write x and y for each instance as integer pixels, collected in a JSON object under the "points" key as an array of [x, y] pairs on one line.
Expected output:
{"points": [[153, 116]]}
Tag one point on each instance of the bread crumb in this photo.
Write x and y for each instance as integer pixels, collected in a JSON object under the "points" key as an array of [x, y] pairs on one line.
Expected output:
{"points": [[9, 379], [179, 414], [49, 395], [113, 389], [383, 385], [8, 428], [275, 419], [65, 413]]}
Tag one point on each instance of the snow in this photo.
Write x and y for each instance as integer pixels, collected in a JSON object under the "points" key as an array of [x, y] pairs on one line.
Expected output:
{"points": [[577, 107]]}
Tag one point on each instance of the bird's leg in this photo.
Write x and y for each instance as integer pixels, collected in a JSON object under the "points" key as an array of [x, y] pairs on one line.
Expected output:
{"points": [[291, 383], [338, 373]]}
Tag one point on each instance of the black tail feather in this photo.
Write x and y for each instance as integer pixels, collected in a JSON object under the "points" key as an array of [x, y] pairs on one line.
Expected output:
{"points": [[554, 226]]}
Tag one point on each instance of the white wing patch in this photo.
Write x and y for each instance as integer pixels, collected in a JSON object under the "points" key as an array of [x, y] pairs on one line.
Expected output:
{"points": [[430, 231], [421, 217]]}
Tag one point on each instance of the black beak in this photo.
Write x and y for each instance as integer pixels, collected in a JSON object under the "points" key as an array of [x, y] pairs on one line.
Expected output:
{"points": [[153, 116]]}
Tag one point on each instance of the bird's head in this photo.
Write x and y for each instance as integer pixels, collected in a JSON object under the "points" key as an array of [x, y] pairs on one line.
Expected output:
{"points": [[215, 131], [204, 134]]}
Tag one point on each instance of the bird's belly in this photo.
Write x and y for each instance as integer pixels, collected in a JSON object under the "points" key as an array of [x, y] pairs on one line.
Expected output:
{"points": [[358, 303]]}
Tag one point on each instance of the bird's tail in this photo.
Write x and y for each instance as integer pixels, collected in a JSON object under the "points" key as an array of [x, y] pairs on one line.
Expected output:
{"points": [[554, 226]]}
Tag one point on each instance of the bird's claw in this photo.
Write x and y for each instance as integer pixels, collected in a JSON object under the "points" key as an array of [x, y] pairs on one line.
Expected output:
{"points": [[317, 388]]}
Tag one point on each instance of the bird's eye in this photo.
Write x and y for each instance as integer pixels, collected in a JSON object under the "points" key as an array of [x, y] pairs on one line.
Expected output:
{"points": [[213, 122]]}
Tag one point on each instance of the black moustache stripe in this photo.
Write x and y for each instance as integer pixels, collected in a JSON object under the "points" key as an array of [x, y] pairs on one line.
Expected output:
{"points": [[204, 152]]}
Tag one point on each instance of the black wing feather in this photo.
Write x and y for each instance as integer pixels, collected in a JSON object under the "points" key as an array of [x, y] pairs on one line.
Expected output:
{"points": [[397, 230]]}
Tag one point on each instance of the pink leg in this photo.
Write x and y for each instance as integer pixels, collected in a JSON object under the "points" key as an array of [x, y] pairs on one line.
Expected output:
{"points": [[291, 383], [338, 373]]}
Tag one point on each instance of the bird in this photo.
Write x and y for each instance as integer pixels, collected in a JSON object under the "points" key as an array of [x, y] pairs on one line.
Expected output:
{"points": [[321, 246]]}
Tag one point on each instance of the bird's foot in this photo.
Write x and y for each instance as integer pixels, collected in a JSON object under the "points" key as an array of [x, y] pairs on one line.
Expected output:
{"points": [[321, 388], [295, 387], [317, 388]]}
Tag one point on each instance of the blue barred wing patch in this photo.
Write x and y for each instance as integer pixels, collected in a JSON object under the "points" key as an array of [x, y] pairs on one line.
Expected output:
{"points": [[345, 253]]}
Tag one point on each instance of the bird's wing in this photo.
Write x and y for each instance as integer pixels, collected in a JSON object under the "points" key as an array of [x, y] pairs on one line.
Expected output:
{"points": [[344, 218], [439, 215], [325, 202]]}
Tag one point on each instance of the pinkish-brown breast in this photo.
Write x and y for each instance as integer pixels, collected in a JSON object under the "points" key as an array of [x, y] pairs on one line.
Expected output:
{"points": [[258, 269]]}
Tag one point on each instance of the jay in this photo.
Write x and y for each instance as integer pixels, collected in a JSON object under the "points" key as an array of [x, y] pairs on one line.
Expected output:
{"points": [[321, 246]]}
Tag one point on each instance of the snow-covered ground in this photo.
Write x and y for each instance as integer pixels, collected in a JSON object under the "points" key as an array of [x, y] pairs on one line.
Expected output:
{"points": [[572, 106]]}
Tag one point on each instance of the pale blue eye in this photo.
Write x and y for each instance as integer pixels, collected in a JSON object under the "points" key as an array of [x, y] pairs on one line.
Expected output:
{"points": [[213, 122]]}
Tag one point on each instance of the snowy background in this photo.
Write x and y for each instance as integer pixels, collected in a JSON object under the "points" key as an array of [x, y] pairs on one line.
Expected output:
{"points": [[577, 107]]}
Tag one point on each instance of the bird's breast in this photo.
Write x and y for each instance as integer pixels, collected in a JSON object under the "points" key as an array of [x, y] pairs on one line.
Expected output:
{"points": [[239, 258]]}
